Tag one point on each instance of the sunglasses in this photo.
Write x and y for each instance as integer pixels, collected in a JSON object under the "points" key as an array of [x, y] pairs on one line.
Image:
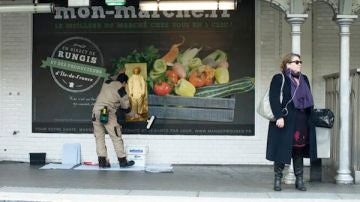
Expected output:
{"points": [[296, 62]]}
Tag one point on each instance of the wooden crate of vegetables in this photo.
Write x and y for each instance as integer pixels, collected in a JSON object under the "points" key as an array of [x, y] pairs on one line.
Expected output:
{"points": [[186, 87], [209, 103], [183, 86]]}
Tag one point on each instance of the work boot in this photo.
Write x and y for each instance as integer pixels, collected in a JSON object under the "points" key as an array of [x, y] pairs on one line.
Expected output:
{"points": [[278, 168], [125, 163], [103, 162], [298, 171]]}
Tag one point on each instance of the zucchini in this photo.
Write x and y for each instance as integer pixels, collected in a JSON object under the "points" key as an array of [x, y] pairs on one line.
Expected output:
{"points": [[241, 85]]}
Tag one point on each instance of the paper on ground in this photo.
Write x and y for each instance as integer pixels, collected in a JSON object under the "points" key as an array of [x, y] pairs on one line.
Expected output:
{"points": [[58, 166], [159, 168], [114, 167]]}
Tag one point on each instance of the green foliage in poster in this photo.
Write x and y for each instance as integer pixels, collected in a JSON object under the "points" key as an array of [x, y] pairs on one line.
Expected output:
{"points": [[148, 56]]}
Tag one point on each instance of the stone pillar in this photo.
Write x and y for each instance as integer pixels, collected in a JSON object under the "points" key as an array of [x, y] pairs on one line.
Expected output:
{"points": [[295, 20], [343, 173]]}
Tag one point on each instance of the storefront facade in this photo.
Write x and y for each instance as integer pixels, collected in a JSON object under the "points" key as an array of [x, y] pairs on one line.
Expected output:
{"points": [[319, 47]]}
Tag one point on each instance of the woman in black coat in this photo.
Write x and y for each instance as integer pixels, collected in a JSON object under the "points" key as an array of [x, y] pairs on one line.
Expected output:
{"points": [[292, 134]]}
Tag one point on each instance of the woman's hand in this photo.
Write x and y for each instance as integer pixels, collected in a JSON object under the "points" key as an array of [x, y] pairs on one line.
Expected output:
{"points": [[280, 123]]}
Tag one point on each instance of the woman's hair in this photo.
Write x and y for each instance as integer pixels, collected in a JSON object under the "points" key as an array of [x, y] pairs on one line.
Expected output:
{"points": [[286, 59]]}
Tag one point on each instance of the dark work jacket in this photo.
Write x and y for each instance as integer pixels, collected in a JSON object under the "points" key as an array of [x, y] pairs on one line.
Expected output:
{"points": [[280, 140]]}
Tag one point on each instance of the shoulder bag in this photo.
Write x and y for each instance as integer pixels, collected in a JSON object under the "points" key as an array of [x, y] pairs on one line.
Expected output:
{"points": [[264, 108]]}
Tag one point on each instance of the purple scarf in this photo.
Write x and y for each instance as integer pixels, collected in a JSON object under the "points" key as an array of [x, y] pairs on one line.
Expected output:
{"points": [[303, 97]]}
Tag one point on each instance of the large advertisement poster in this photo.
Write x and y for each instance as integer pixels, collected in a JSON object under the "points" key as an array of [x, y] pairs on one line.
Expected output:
{"points": [[199, 67]]}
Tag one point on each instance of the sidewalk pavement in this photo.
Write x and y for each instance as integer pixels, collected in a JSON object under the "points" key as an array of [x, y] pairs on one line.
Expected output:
{"points": [[22, 182]]}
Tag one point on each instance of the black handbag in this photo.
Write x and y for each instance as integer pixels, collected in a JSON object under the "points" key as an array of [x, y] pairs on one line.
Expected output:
{"points": [[323, 118]]}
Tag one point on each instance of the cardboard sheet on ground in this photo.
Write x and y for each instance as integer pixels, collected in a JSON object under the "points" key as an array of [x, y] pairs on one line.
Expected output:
{"points": [[159, 169], [58, 166], [71, 153], [114, 167], [70, 157]]}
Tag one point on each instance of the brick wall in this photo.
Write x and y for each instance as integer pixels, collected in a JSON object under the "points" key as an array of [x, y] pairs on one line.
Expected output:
{"points": [[17, 140], [15, 43]]}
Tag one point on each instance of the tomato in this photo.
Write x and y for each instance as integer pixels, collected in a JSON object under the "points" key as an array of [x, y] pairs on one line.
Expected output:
{"points": [[162, 88], [208, 81], [172, 76], [196, 80]]}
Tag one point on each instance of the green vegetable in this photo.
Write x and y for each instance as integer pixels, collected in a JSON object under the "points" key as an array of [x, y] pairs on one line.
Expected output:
{"points": [[185, 88], [148, 56], [241, 85], [222, 75], [159, 66], [158, 69], [194, 63], [185, 57], [215, 58], [153, 75]]}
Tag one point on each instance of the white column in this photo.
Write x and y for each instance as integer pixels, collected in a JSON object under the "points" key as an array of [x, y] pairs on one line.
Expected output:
{"points": [[343, 173], [295, 20]]}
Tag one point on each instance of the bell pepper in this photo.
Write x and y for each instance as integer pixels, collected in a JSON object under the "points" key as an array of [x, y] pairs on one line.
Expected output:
{"points": [[196, 79], [222, 75], [185, 57], [194, 63], [185, 88]]}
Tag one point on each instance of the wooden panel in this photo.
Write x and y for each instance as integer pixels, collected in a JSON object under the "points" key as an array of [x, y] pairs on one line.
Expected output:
{"points": [[167, 112], [201, 102], [192, 108]]}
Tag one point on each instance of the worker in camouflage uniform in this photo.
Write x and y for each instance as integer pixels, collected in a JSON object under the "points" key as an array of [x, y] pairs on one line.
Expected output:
{"points": [[112, 97]]}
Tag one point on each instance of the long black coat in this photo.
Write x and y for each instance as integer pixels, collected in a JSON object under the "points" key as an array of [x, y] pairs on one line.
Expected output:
{"points": [[280, 140]]}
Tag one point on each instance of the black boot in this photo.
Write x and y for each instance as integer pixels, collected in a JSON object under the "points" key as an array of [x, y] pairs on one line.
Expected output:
{"points": [[298, 171], [103, 162], [125, 163], [278, 168]]}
